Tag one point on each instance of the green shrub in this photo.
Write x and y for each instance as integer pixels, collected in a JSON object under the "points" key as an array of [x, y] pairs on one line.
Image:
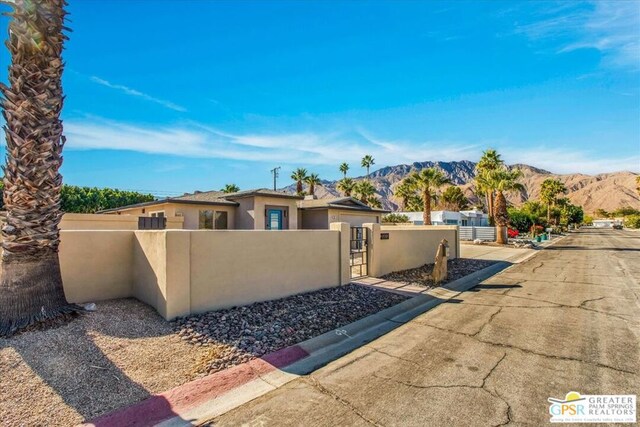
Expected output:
{"points": [[520, 220], [395, 218], [632, 221]]}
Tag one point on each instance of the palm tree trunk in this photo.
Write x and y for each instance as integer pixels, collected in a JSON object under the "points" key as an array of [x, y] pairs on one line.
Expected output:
{"points": [[30, 282], [501, 218], [299, 187], [426, 214]]}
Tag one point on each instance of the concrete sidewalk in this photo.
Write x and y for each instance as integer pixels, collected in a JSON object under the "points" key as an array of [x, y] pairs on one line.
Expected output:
{"points": [[565, 320]]}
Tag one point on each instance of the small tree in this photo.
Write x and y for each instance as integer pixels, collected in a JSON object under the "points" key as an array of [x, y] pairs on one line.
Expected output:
{"points": [[453, 199], [549, 192], [230, 188], [367, 162], [503, 181], [344, 168], [299, 176], [346, 186], [312, 181], [427, 182]]}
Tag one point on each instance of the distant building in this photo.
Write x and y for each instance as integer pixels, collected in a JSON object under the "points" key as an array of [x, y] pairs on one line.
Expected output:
{"points": [[606, 223], [474, 217]]}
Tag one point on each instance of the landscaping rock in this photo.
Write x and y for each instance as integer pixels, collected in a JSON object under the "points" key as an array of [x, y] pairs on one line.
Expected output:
{"points": [[422, 276], [239, 334]]}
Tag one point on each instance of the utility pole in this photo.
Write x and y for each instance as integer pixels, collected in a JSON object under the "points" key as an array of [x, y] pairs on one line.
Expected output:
{"points": [[275, 173]]}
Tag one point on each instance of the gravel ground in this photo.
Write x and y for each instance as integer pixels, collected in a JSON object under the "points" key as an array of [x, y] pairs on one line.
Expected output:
{"points": [[98, 362], [457, 268], [239, 334]]}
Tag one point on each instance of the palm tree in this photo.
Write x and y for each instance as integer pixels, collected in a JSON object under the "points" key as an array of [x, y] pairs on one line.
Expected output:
{"points": [[367, 162], [313, 180], [230, 188], [427, 182], [299, 176], [489, 161], [504, 181], [30, 282], [346, 186], [344, 168], [549, 193], [405, 191], [364, 191], [453, 199]]}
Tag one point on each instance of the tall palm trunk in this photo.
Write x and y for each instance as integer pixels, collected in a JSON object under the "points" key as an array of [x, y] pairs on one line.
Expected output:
{"points": [[426, 213], [30, 282], [299, 188], [312, 189], [491, 209], [501, 218]]}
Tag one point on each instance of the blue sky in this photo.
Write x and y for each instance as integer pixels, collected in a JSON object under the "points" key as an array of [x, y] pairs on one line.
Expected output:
{"points": [[174, 96]]}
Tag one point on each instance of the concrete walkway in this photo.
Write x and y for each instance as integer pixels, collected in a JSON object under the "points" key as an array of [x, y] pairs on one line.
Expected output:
{"points": [[565, 320]]}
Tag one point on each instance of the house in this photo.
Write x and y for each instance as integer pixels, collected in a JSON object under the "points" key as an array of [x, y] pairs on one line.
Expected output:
{"points": [[473, 217], [259, 209], [319, 213]]}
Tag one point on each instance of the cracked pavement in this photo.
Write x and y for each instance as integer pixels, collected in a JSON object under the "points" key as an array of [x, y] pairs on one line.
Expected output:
{"points": [[567, 319]]}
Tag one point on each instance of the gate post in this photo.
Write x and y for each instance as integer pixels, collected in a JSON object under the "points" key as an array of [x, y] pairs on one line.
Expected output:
{"points": [[344, 229]]}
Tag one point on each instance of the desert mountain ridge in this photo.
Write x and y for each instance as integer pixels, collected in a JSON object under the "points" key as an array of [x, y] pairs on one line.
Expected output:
{"points": [[607, 191]]}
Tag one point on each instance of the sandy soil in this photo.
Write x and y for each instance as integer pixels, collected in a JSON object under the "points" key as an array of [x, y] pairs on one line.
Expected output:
{"points": [[113, 357]]}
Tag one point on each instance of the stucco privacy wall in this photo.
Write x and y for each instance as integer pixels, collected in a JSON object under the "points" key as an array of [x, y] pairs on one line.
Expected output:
{"points": [[96, 265], [241, 267], [407, 247], [179, 272]]}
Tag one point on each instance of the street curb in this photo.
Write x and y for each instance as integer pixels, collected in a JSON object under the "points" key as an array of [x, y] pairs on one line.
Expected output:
{"points": [[206, 398]]}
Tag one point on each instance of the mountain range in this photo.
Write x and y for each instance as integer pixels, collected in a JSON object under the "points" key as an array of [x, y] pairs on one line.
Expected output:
{"points": [[607, 191]]}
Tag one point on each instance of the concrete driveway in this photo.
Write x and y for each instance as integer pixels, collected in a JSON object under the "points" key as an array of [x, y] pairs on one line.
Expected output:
{"points": [[567, 319]]}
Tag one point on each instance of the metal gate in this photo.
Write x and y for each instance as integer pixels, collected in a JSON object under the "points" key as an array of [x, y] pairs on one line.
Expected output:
{"points": [[358, 254]]}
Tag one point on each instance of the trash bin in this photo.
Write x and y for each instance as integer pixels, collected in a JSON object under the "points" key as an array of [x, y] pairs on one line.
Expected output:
{"points": [[538, 239]]}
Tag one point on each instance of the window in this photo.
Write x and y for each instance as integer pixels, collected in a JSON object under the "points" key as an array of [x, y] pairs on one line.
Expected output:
{"points": [[451, 221], [206, 220], [159, 214], [221, 220]]}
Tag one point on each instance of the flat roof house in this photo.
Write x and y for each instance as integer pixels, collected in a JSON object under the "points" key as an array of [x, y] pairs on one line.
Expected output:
{"points": [[319, 213], [475, 218], [259, 209]]}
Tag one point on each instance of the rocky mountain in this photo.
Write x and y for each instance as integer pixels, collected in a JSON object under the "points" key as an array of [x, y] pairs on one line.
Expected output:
{"points": [[607, 191]]}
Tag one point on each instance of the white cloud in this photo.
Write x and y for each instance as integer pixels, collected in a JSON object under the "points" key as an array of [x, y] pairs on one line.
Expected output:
{"points": [[200, 141], [197, 140], [611, 27], [133, 92]]}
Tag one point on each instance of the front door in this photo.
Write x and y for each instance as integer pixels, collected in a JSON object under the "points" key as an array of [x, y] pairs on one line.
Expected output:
{"points": [[274, 219]]}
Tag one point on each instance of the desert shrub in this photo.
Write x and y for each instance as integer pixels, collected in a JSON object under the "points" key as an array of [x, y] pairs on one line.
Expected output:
{"points": [[632, 221], [393, 218]]}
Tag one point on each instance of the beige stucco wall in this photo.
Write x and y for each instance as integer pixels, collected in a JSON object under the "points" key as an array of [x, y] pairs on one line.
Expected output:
{"points": [[355, 218], [179, 272], [245, 214], [74, 221], [96, 265], [407, 247], [314, 219], [240, 267]]}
